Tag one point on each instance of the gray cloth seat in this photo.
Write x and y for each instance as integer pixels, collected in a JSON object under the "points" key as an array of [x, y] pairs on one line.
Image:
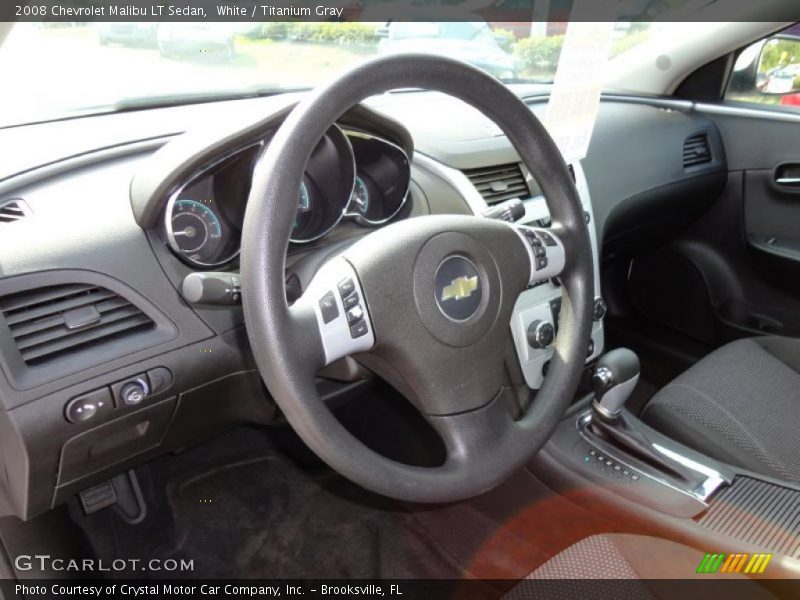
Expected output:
{"points": [[621, 556], [740, 405], [619, 566]]}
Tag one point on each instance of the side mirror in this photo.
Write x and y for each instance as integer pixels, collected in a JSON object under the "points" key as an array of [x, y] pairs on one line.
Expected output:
{"points": [[778, 70]]}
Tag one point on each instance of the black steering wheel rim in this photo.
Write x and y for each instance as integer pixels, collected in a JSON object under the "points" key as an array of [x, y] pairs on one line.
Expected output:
{"points": [[483, 448]]}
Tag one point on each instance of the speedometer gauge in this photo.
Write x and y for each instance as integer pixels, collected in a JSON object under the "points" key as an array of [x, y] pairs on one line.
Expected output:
{"points": [[359, 201], [305, 214]]}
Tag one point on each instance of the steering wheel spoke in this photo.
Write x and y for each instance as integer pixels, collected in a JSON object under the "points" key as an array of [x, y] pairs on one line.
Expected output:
{"points": [[545, 250], [467, 436], [336, 299]]}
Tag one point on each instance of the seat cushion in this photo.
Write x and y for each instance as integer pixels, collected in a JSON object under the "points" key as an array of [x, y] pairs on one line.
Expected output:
{"points": [[622, 566], [621, 556], [740, 405]]}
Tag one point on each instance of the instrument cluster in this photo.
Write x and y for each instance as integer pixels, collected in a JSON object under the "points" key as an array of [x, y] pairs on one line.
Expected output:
{"points": [[350, 175]]}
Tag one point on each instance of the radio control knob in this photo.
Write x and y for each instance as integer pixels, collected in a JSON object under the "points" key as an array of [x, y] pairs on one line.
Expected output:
{"points": [[599, 309], [541, 334]]}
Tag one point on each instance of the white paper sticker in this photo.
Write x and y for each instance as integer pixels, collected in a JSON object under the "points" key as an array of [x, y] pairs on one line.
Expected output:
{"points": [[575, 95]]}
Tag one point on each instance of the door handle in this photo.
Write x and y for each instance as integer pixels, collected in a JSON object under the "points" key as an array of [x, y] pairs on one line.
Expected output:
{"points": [[787, 175]]}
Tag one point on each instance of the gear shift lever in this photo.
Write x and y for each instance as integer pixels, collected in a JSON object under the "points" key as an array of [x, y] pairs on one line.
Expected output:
{"points": [[613, 380]]}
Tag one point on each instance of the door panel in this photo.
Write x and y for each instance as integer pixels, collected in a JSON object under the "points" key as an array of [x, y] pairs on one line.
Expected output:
{"points": [[735, 272], [771, 211], [763, 148]]}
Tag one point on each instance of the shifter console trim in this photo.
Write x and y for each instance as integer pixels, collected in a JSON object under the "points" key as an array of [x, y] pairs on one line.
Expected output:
{"points": [[712, 480]]}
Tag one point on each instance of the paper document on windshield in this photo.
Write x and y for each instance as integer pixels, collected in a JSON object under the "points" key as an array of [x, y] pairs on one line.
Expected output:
{"points": [[575, 95]]}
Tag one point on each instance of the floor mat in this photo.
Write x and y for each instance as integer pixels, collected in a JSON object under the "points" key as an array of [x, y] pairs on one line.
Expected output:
{"points": [[238, 508], [265, 518]]}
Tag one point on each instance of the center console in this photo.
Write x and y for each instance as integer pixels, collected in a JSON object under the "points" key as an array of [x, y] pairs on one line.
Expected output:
{"points": [[534, 322], [601, 452]]}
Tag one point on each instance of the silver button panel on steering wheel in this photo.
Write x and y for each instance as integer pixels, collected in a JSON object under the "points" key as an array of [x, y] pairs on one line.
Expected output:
{"points": [[545, 251], [338, 301]]}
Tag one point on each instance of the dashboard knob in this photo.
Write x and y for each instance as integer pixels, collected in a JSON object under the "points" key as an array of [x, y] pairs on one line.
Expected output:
{"points": [[541, 334], [599, 309], [134, 392]]}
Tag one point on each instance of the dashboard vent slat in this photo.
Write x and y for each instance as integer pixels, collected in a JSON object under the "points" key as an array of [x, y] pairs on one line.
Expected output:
{"points": [[49, 322], [498, 183], [696, 151], [56, 304], [13, 210]]}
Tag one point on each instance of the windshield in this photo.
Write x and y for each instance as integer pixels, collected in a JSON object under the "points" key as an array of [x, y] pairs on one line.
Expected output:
{"points": [[60, 70]]}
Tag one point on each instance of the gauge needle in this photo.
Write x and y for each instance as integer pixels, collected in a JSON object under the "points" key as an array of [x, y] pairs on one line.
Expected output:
{"points": [[188, 232]]}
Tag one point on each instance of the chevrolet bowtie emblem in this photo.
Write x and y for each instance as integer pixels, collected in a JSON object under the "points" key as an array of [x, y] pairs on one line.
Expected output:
{"points": [[460, 288]]}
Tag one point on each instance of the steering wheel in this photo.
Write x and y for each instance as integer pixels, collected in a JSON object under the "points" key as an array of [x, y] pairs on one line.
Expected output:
{"points": [[425, 302]]}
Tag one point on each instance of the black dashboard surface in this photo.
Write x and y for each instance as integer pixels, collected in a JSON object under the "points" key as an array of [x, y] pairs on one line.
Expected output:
{"points": [[84, 230]]}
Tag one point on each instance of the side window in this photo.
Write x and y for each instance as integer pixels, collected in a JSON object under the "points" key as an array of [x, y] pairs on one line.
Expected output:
{"points": [[767, 73]]}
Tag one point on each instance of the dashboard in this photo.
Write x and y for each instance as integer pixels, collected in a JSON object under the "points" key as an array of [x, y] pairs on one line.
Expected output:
{"points": [[121, 209]]}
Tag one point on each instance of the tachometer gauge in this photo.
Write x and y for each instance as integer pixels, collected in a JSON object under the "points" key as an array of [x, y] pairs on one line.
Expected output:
{"points": [[195, 227], [359, 201], [197, 234]]}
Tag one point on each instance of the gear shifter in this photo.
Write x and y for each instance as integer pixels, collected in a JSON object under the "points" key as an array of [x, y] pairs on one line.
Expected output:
{"points": [[613, 380]]}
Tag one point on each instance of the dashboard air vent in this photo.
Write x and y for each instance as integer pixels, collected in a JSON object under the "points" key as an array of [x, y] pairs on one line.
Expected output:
{"points": [[696, 151], [13, 210], [499, 183], [49, 322]]}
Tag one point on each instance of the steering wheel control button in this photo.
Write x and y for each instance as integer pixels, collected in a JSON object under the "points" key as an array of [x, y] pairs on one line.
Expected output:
{"points": [[532, 238], [548, 239], [88, 406], [541, 334], [340, 308], [354, 315], [350, 301], [328, 308], [359, 329], [545, 251], [347, 287], [457, 286]]}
